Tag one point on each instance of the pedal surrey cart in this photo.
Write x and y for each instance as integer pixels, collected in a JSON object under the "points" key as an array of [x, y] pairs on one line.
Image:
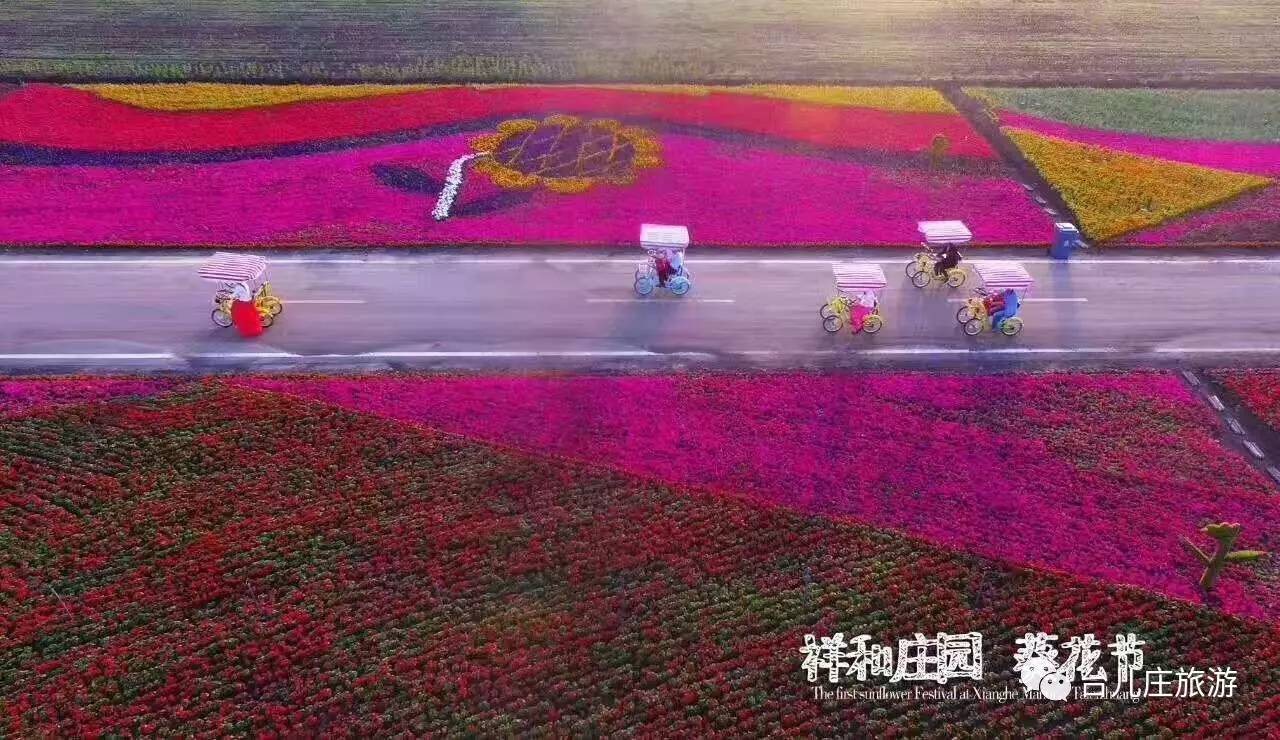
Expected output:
{"points": [[857, 300], [243, 276], [996, 303], [939, 237], [664, 268]]}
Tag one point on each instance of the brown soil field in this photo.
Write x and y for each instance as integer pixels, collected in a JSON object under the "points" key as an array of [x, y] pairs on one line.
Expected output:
{"points": [[1099, 42]]}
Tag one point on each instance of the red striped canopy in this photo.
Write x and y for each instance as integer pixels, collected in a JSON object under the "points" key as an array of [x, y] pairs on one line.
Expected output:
{"points": [[856, 277], [227, 267], [1004, 275]]}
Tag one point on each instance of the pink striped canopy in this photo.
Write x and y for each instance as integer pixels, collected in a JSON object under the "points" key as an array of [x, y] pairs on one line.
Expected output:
{"points": [[228, 267]]}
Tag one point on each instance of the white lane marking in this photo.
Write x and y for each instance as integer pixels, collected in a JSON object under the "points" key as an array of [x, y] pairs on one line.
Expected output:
{"points": [[93, 356], [1216, 403], [1253, 448], [1215, 350], [1032, 300], [1235, 426], [444, 259], [244, 355], [672, 302], [292, 301]]}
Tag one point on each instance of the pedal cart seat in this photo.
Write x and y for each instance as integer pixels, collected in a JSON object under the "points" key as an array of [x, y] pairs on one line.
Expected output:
{"points": [[664, 246], [243, 278], [942, 240], [1005, 285], [857, 300]]}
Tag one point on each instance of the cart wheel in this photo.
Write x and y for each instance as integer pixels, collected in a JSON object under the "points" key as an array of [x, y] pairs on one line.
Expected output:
{"points": [[221, 318], [920, 279], [872, 324], [964, 314], [973, 327], [913, 268], [1010, 327], [644, 286], [956, 277], [832, 324], [272, 305], [826, 312], [267, 319], [680, 285]]}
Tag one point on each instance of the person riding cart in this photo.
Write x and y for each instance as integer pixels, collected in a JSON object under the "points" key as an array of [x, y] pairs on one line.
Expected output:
{"points": [[664, 268], [997, 302], [941, 257], [857, 300], [244, 296]]}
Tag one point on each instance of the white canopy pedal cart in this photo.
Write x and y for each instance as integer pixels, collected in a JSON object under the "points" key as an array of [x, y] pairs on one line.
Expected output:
{"points": [[939, 238], [857, 300], [997, 302], [242, 277], [664, 267]]}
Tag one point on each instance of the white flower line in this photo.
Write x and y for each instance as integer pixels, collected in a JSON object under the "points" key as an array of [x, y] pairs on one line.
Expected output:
{"points": [[452, 184]]}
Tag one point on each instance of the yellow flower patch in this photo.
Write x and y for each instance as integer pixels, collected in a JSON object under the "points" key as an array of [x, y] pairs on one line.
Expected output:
{"points": [[225, 96], [1114, 193]]}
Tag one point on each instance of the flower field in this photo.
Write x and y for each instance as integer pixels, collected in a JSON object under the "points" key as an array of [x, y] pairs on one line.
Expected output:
{"points": [[759, 165], [1093, 475], [1259, 390], [1154, 167], [219, 560]]}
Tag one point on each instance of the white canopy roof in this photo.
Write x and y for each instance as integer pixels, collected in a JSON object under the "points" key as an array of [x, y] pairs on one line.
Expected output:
{"points": [[945, 232], [856, 277], [659, 236], [1004, 275], [228, 267]]}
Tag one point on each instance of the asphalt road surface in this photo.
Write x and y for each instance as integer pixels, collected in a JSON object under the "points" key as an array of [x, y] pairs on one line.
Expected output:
{"points": [[575, 310]]}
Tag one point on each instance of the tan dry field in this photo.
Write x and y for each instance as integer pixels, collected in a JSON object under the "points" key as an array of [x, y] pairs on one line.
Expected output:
{"points": [[993, 41]]}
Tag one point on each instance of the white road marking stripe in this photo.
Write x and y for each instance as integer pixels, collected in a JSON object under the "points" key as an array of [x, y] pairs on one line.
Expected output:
{"points": [[443, 259], [1253, 448], [672, 302], [93, 356], [1033, 300], [1215, 350], [292, 301]]}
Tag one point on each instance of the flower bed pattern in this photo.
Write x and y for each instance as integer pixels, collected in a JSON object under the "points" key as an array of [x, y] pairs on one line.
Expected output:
{"points": [[1133, 163], [223, 562], [368, 170], [1259, 390], [1114, 193], [23, 396], [1093, 475]]}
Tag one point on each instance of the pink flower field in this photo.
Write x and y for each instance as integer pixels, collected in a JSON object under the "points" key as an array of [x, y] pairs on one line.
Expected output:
{"points": [[20, 396], [727, 194], [1256, 158], [737, 169], [1094, 475]]}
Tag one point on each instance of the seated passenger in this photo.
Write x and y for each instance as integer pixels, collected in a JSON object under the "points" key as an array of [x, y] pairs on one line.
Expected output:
{"points": [[1008, 310], [663, 266], [949, 259]]}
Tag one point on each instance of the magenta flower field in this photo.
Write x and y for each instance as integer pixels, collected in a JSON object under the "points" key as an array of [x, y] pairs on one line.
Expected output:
{"points": [[1095, 475], [737, 169], [727, 194], [19, 396]]}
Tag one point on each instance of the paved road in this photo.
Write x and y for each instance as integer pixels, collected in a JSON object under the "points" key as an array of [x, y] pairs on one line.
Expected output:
{"points": [[575, 310]]}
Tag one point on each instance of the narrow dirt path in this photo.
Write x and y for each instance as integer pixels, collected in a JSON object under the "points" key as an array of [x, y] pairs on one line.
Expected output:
{"points": [[984, 122]]}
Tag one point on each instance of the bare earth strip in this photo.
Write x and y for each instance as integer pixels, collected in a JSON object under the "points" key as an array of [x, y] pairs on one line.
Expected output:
{"points": [[993, 41]]}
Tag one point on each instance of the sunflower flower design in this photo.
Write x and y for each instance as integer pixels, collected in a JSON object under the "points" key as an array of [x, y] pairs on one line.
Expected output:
{"points": [[565, 154]]}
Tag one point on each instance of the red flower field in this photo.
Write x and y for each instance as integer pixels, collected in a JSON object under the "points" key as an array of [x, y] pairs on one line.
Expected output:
{"points": [[1097, 475], [1258, 390], [226, 561]]}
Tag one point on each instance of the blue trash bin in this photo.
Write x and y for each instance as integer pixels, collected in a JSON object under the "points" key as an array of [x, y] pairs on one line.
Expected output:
{"points": [[1066, 239]]}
